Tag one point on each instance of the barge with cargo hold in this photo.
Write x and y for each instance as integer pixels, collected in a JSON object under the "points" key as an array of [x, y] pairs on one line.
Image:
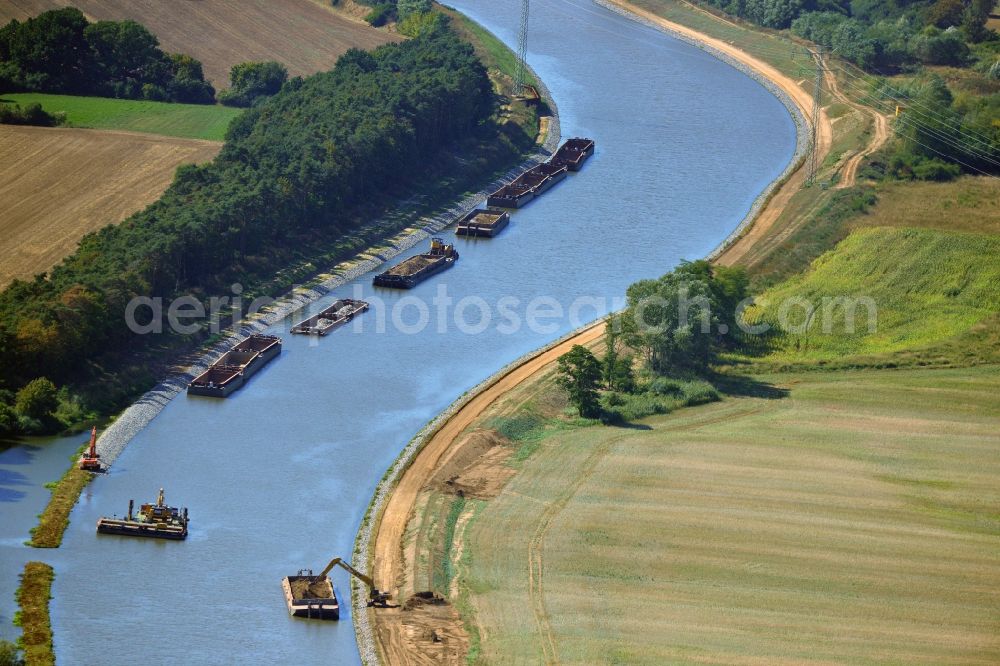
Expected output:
{"points": [[512, 195], [236, 366], [418, 268], [310, 596], [483, 222], [154, 520], [340, 312], [573, 153]]}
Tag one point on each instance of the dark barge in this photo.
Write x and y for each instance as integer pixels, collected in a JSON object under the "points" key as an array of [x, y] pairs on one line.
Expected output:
{"points": [[573, 153], [418, 268], [512, 195], [154, 520], [340, 312], [236, 366], [545, 175], [483, 222]]}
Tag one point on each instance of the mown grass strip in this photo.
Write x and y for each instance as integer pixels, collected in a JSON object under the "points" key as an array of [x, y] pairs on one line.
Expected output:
{"points": [[36, 629], [193, 121], [52, 523]]}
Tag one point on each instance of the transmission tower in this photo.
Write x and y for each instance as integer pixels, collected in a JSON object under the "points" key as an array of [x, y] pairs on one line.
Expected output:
{"points": [[817, 93], [522, 50]]}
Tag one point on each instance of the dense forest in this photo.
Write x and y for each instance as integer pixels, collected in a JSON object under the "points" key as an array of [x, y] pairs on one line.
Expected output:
{"points": [[307, 163], [60, 51]]}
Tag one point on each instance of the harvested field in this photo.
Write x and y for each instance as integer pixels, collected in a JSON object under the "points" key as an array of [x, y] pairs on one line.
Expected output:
{"points": [[58, 184], [856, 520], [305, 36]]}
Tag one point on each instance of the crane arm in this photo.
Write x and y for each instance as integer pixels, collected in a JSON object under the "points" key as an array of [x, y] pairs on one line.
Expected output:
{"points": [[338, 562]]}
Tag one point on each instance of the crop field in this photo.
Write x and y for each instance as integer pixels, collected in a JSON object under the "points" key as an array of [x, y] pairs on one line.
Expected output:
{"points": [[58, 184], [920, 286], [305, 36], [855, 520], [193, 121]]}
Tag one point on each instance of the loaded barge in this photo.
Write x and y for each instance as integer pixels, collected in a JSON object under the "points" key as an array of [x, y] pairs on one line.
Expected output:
{"points": [[310, 596], [483, 222], [340, 312], [512, 195], [418, 268], [573, 153], [236, 366], [154, 520]]}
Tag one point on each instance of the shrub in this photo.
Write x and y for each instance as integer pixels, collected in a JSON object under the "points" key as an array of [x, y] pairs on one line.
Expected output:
{"points": [[30, 114], [38, 399], [380, 15]]}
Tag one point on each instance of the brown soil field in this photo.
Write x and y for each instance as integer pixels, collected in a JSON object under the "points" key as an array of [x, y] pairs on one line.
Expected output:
{"points": [[58, 184], [305, 36]]}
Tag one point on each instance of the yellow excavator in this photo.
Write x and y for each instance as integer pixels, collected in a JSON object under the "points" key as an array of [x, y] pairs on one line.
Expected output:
{"points": [[375, 597]]}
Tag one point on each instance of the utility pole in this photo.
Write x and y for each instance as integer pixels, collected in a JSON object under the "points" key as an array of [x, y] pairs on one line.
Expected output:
{"points": [[522, 50]]}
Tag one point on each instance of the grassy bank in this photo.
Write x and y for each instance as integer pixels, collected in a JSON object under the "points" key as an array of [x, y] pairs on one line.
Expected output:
{"points": [[193, 121], [33, 597], [52, 522]]}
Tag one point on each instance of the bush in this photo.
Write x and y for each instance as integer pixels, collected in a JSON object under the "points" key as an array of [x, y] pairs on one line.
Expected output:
{"points": [[251, 81], [30, 114], [38, 399], [380, 15]]}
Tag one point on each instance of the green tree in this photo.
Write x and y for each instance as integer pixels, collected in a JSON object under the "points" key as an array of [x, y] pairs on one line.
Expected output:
{"points": [[671, 320], [250, 81], [580, 375], [9, 654], [405, 8], [773, 13], [38, 399], [616, 367]]}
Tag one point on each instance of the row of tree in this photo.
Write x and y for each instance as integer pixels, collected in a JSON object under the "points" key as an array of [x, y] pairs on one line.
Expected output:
{"points": [[302, 165], [60, 51], [875, 34]]}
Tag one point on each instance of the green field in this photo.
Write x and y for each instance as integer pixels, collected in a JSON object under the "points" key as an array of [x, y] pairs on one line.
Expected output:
{"points": [[855, 520], [923, 286], [195, 121]]}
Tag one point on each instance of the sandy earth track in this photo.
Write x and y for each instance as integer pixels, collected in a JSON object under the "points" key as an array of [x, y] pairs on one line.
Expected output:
{"points": [[58, 184]]}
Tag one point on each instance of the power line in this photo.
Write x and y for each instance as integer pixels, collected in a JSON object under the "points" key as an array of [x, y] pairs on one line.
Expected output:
{"points": [[522, 50]]}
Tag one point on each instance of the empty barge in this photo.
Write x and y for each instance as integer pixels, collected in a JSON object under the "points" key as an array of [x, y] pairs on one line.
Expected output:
{"points": [[154, 520], [236, 366], [573, 153], [310, 596], [340, 312], [418, 268], [483, 222]]}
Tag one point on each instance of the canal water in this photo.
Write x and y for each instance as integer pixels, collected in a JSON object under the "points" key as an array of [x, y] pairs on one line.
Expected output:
{"points": [[278, 476]]}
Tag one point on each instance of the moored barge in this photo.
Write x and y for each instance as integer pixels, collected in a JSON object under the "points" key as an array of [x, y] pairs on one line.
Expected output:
{"points": [[310, 596], [552, 172], [483, 222], [154, 520], [418, 268], [573, 153], [236, 366], [340, 312], [512, 195]]}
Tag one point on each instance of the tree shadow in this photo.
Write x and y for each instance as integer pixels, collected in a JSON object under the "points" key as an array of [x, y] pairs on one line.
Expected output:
{"points": [[747, 387], [628, 426]]}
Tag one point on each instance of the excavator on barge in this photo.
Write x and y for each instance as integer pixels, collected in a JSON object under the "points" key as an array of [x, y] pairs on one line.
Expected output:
{"points": [[312, 596]]}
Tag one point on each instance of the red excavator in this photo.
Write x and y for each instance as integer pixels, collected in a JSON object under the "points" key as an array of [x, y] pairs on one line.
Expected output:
{"points": [[91, 460]]}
